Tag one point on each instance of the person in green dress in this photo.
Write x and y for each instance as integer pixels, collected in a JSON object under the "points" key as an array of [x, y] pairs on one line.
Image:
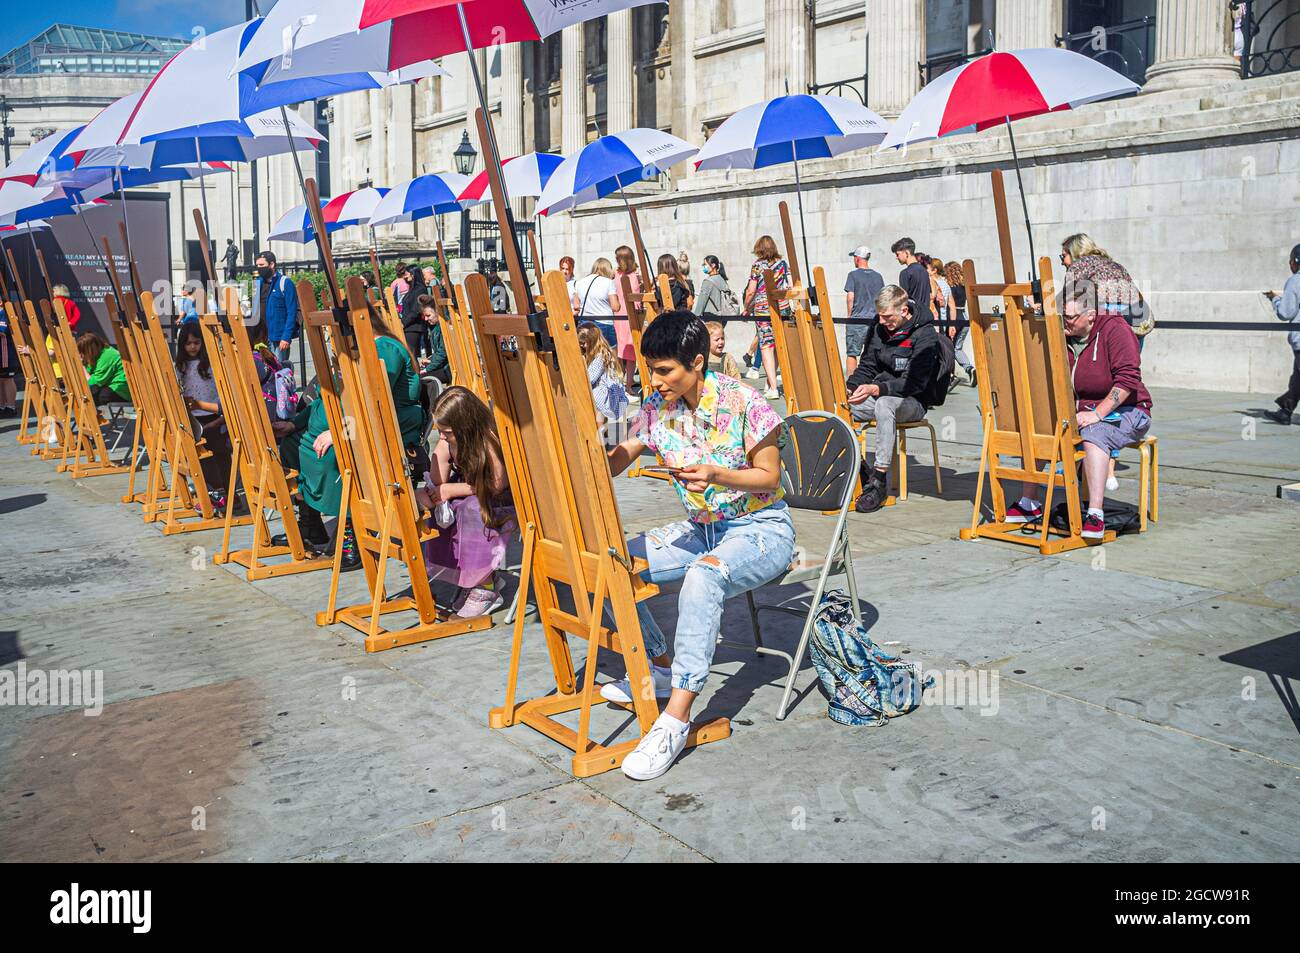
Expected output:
{"points": [[307, 444]]}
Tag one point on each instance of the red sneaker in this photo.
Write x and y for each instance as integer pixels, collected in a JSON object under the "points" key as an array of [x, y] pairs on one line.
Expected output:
{"points": [[1015, 514], [1094, 527]]}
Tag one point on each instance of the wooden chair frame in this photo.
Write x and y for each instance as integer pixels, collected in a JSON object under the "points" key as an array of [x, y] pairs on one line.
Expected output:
{"points": [[1027, 398]]}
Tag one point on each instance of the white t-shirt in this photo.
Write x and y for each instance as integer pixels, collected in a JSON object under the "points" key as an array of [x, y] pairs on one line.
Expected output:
{"points": [[593, 294]]}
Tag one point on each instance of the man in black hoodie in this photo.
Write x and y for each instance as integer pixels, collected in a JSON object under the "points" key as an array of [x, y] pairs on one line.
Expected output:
{"points": [[893, 384]]}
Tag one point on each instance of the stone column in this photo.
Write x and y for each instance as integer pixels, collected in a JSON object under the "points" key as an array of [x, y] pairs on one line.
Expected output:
{"points": [[510, 130], [1028, 24], [471, 98], [400, 130], [618, 81], [1193, 45], [573, 89], [895, 45], [787, 48]]}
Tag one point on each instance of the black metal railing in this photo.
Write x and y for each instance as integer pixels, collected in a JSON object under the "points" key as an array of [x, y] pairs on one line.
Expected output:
{"points": [[1128, 48], [936, 66], [843, 87], [1260, 56]]}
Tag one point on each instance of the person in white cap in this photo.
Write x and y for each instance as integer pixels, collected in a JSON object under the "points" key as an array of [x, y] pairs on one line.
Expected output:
{"points": [[862, 286]]}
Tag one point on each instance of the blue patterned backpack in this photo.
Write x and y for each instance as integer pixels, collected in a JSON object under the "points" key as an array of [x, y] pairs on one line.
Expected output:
{"points": [[866, 685]]}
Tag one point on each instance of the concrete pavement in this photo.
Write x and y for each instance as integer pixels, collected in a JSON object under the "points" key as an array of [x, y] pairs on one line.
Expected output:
{"points": [[1138, 700]]}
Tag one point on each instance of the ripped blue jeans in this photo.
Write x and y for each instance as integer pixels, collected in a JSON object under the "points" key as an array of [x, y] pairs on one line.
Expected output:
{"points": [[750, 551]]}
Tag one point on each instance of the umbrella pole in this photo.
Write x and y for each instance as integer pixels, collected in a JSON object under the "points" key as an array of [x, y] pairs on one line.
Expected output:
{"points": [[1024, 202], [107, 273], [126, 224], [493, 155], [302, 184], [210, 282], [803, 228], [36, 257]]}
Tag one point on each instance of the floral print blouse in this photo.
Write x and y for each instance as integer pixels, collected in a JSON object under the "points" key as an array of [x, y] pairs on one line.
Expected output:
{"points": [[729, 422]]}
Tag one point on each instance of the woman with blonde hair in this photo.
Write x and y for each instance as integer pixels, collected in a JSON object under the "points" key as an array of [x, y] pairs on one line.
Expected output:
{"points": [[625, 348], [767, 258], [595, 298]]}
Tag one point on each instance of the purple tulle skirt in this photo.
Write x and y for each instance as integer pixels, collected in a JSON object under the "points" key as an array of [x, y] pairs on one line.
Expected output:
{"points": [[467, 552]]}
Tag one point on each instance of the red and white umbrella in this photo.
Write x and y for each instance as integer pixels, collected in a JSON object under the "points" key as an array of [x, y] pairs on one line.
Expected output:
{"points": [[351, 208], [1000, 87], [994, 89], [525, 177], [387, 35]]}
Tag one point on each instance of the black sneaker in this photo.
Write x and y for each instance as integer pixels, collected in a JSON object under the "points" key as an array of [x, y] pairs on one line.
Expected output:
{"points": [[970, 378], [874, 493], [749, 359], [1279, 416]]}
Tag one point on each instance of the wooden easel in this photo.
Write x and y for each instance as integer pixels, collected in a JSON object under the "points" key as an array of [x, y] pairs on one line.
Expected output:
{"points": [[1028, 400], [457, 336], [181, 448], [573, 535], [377, 497], [33, 387], [564, 497], [54, 431], [34, 384], [255, 457], [82, 413], [126, 324], [793, 333]]}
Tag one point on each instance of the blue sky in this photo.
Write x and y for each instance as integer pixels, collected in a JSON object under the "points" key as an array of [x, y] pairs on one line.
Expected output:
{"points": [[22, 21]]}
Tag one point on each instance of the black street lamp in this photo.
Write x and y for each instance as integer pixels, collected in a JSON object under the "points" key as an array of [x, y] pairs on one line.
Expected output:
{"points": [[465, 158]]}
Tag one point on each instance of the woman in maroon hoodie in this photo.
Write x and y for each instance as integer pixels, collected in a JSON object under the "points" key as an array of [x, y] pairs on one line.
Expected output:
{"points": [[1114, 407]]}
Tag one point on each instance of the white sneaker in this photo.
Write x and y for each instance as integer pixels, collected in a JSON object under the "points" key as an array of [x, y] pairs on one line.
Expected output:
{"points": [[1112, 484], [771, 393], [753, 374], [620, 692], [657, 750]]}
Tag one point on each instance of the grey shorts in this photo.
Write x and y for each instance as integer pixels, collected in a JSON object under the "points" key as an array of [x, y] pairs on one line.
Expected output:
{"points": [[855, 338], [1131, 428]]}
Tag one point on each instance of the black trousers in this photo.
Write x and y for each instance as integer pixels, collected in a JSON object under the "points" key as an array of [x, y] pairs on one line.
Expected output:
{"points": [[1291, 398], [416, 339]]}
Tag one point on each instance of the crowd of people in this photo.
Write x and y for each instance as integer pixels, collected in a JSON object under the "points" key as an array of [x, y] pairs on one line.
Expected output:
{"points": [[719, 438]]}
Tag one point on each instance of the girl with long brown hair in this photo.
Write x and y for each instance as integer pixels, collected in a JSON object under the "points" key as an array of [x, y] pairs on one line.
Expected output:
{"points": [[469, 494], [603, 374]]}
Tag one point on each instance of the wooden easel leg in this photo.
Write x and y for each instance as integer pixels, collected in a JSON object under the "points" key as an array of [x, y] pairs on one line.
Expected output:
{"points": [[504, 716], [224, 556], [260, 532], [593, 651], [134, 461], [985, 467], [377, 597], [1058, 454], [330, 615]]}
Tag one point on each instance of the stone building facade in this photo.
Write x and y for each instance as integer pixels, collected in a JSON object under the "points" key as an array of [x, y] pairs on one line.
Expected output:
{"points": [[1193, 184]]}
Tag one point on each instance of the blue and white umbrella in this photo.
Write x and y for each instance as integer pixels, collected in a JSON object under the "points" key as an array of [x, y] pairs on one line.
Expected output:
{"points": [[788, 129], [421, 197], [603, 167]]}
